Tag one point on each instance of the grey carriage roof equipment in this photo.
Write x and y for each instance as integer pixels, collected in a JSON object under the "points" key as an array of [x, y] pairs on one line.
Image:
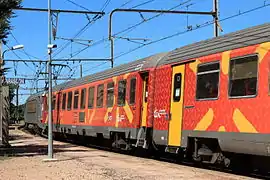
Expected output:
{"points": [[238, 39], [140, 64]]}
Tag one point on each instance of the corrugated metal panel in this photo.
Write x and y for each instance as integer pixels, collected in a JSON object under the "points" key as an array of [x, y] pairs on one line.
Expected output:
{"points": [[140, 64], [246, 37]]}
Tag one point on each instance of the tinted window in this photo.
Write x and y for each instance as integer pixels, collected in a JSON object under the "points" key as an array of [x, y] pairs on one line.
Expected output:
{"points": [[121, 92], [146, 90], [132, 91], [53, 102], [110, 94], [64, 97], [76, 100], [243, 76], [207, 81], [69, 100], [177, 87], [91, 94], [100, 92], [83, 91]]}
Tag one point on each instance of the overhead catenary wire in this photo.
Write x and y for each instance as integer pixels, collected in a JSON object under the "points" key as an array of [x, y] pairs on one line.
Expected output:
{"points": [[107, 2], [208, 23]]}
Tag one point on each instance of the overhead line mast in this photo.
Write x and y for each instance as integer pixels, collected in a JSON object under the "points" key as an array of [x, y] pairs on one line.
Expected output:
{"points": [[213, 13]]}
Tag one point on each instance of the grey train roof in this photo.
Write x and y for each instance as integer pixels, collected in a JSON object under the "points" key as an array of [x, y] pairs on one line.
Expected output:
{"points": [[242, 38], [34, 96], [140, 64]]}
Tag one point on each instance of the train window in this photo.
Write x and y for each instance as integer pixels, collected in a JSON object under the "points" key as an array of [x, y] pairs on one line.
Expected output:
{"points": [[243, 76], [91, 95], [146, 90], [177, 87], [207, 81], [64, 97], [132, 91], [100, 93], [121, 93], [69, 100], [83, 91], [53, 102], [110, 94], [76, 100]]}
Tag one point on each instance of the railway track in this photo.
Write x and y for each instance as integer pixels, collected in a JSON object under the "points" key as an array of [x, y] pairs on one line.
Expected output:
{"points": [[253, 173]]}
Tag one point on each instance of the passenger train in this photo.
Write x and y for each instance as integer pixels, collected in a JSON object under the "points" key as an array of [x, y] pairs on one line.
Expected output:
{"points": [[203, 101]]}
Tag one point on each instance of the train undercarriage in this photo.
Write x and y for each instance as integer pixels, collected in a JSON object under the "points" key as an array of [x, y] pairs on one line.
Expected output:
{"points": [[203, 151]]}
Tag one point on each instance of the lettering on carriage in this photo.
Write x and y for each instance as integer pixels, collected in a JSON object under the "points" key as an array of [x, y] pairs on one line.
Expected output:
{"points": [[109, 116], [120, 118], [160, 113]]}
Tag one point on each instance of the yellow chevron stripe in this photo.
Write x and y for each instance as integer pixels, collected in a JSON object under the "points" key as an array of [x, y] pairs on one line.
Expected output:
{"points": [[262, 50], [117, 117], [241, 122], [92, 116], [128, 112], [221, 129], [225, 62], [193, 66], [206, 121]]}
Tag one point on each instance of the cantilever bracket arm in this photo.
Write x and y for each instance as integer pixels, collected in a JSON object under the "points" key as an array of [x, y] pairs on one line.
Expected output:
{"points": [[212, 13]]}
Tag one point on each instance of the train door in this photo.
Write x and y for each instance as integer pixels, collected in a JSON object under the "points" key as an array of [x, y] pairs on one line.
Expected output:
{"points": [[144, 100], [175, 124]]}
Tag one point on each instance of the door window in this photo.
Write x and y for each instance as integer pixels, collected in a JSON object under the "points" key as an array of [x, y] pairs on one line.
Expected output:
{"points": [[146, 90], [177, 87]]}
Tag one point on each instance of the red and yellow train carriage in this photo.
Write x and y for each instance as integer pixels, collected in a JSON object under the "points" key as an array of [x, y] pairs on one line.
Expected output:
{"points": [[202, 99]]}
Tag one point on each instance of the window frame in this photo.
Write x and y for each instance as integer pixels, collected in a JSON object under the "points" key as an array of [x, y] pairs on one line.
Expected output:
{"points": [[112, 82], [146, 89], [54, 102], [212, 71], [229, 75], [74, 94], [93, 103], [133, 78], [101, 106], [69, 108], [83, 99], [64, 101], [174, 83], [122, 80]]}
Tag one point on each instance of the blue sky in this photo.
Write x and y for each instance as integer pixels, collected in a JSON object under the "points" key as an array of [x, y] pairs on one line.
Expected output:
{"points": [[30, 29]]}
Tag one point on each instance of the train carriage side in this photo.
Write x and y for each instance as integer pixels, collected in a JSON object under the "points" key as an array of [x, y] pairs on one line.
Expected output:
{"points": [[216, 96], [105, 105]]}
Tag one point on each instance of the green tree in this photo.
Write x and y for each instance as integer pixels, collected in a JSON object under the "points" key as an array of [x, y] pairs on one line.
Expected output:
{"points": [[6, 14]]}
